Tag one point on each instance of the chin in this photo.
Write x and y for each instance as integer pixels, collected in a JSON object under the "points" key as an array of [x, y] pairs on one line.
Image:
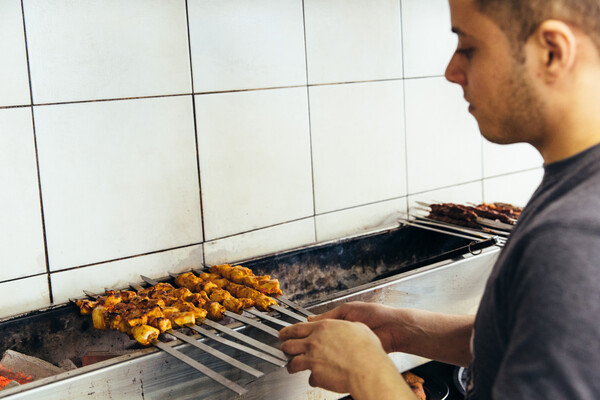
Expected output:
{"points": [[501, 139], [494, 137]]}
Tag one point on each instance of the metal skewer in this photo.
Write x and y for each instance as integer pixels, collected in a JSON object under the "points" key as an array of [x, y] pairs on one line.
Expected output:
{"points": [[256, 313], [275, 307], [241, 347], [205, 370], [293, 305], [193, 363], [241, 318], [216, 353], [289, 313], [252, 322], [261, 346], [267, 317], [246, 339], [222, 356]]}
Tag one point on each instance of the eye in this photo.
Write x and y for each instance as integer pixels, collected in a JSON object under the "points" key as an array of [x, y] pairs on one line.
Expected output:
{"points": [[466, 52]]}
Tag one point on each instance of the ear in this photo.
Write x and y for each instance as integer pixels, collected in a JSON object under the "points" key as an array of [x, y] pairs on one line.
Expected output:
{"points": [[556, 49]]}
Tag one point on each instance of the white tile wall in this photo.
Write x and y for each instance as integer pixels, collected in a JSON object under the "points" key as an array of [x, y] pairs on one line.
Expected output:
{"points": [[428, 42], [503, 159], [21, 235], [119, 178], [514, 188], [353, 40], [466, 193], [359, 220], [357, 144], [240, 44], [143, 172], [260, 242], [24, 295], [14, 81], [82, 50], [443, 141], [255, 168], [118, 274]]}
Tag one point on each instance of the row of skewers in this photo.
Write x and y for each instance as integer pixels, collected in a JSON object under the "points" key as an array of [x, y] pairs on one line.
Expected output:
{"points": [[147, 314], [477, 222]]}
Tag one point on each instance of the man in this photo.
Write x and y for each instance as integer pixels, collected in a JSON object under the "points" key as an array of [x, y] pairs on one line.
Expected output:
{"points": [[530, 70]]}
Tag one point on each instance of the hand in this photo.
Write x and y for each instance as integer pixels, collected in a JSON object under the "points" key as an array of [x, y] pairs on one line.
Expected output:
{"points": [[343, 356], [437, 336], [384, 321]]}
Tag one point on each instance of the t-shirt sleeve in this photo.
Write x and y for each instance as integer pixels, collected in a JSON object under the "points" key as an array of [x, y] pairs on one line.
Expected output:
{"points": [[554, 314]]}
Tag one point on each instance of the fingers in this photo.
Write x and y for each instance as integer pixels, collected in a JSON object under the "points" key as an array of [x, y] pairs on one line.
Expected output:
{"points": [[298, 363], [295, 346], [299, 330]]}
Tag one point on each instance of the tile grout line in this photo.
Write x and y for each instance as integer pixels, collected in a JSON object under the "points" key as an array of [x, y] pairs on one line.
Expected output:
{"points": [[312, 167], [209, 93], [404, 111], [37, 162], [196, 133], [130, 257]]}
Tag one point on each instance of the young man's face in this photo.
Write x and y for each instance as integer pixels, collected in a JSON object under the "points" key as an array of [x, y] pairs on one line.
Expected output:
{"points": [[498, 88]]}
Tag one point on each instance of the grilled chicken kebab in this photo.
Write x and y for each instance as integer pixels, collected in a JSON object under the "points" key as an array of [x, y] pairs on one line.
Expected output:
{"points": [[156, 309]]}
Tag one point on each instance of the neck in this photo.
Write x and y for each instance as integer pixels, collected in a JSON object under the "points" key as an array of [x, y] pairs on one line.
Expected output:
{"points": [[574, 125]]}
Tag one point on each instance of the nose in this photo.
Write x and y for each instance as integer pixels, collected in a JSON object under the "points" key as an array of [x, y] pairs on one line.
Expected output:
{"points": [[454, 73]]}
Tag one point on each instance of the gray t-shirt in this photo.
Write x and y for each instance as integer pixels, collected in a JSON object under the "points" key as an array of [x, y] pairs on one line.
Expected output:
{"points": [[537, 331]]}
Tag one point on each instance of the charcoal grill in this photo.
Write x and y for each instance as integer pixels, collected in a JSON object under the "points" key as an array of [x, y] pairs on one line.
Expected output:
{"points": [[402, 266]]}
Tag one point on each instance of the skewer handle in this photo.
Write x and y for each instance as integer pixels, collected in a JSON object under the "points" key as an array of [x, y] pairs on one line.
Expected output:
{"points": [[216, 353], [238, 346], [234, 387], [294, 305], [267, 317]]}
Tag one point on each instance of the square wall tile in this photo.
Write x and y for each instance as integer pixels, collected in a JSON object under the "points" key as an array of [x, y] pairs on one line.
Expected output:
{"points": [[443, 139], [21, 236], [24, 295], [460, 194], [118, 274], [359, 220], [261, 242], [119, 178], [243, 44], [513, 188], [14, 79], [353, 40], [106, 49], [504, 159], [427, 39], [254, 159], [358, 144]]}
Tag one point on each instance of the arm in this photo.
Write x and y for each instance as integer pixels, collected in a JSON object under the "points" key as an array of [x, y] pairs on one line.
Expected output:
{"points": [[437, 336]]}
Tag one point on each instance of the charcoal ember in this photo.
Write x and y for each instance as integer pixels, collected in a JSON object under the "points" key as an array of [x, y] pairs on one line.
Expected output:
{"points": [[33, 367]]}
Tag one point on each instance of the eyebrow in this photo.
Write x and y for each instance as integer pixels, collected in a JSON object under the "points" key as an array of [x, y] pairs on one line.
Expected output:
{"points": [[459, 32]]}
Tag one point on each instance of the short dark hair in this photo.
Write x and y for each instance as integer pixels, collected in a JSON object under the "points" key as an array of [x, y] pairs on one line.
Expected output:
{"points": [[520, 18]]}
